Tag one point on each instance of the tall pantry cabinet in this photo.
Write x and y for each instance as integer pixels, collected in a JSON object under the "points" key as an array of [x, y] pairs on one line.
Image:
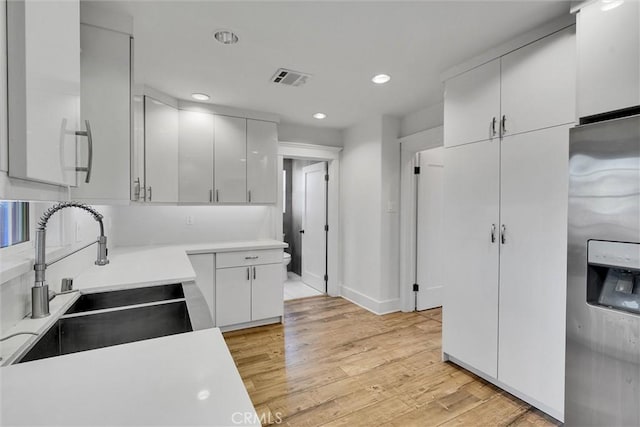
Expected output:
{"points": [[505, 186]]}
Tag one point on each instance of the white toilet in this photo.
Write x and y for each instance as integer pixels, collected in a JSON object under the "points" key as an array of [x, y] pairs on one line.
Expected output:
{"points": [[286, 259]]}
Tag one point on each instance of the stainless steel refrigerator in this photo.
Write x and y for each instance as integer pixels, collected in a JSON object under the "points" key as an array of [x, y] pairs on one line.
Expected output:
{"points": [[603, 286]]}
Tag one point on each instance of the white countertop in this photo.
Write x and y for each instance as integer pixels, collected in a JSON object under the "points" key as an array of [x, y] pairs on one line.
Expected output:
{"points": [[179, 380], [150, 382]]}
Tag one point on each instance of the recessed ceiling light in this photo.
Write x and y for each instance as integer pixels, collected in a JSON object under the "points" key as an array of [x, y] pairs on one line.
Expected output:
{"points": [[381, 78], [225, 36], [200, 96], [319, 116], [610, 4]]}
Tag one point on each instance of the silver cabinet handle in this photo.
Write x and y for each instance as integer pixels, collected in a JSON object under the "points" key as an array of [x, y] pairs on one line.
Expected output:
{"points": [[149, 193], [493, 126], [248, 273], [493, 233], [210, 196], [254, 273], [136, 189], [89, 166], [251, 257], [503, 232], [217, 195], [249, 196], [504, 124]]}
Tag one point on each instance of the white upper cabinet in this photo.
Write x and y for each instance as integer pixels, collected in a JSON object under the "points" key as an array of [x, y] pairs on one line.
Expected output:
{"points": [[262, 152], [43, 41], [608, 57], [472, 105], [538, 84], [161, 151], [196, 157], [105, 101], [528, 89], [230, 169]]}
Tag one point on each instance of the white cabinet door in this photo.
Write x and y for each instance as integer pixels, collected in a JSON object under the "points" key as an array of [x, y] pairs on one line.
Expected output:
{"points": [[539, 84], [105, 99], [204, 266], [161, 151], [267, 296], [533, 263], [196, 157], [262, 152], [471, 210], [43, 43], [608, 57], [233, 295], [230, 159], [472, 105]]}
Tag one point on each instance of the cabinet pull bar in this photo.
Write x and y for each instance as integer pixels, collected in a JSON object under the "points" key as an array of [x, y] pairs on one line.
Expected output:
{"points": [[150, 194], [248, 273], [210, 196], [249, 196], [504, 124], [493, 233], [217, 196], [136, 189], [89, 166], [503, 232], [493, 126], [251, 257], [254, 273]]}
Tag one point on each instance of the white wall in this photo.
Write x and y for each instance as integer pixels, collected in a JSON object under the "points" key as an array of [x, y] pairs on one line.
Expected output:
{"points": [[151, 225], [360, 208], [291, 132], [425, 118], [390, 206], [369, 211]]}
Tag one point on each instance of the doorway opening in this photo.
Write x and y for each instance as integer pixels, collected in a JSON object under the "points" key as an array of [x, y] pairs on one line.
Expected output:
{"points": [[305, 226]]}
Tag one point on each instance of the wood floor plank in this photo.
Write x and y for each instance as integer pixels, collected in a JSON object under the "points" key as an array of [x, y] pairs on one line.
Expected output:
{"points": [[333, 363]]}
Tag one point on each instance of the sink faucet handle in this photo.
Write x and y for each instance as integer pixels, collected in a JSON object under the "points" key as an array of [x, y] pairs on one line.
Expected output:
{"points": [[66, 285]]}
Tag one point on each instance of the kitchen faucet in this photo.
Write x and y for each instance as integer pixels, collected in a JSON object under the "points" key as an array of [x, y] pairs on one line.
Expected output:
{"points": [[40, 289]]}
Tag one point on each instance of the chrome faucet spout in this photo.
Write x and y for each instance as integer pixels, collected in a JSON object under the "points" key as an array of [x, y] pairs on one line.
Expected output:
{"points": [[40, 289]]}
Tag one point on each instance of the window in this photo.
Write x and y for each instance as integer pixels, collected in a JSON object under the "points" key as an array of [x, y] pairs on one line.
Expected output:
{"points": [[14, 223]]}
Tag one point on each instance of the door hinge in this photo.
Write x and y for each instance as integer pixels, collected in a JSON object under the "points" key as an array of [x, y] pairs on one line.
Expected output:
{"points": [[416, 170], [416, 287], [326, 227], [326, 278], [326, 177]]}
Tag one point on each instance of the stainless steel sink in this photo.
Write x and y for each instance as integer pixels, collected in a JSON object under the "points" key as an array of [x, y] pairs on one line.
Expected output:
{"points": [[104, 300], [71, 334]]}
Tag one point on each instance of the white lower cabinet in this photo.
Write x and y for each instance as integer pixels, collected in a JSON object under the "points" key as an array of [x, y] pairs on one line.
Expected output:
{"points": [[241, 288], [233, 295], [266, 291], [505, 247]]}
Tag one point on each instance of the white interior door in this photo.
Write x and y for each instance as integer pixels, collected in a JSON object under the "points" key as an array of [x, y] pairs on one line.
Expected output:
{"points": [[430, 262], [161, 151], [314, 219]]}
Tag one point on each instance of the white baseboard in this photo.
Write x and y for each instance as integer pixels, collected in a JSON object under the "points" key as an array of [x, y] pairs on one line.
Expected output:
{"points": [[368, 303]]}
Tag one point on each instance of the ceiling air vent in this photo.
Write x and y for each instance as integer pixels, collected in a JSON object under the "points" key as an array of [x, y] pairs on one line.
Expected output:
{"points": [[290, 77]]}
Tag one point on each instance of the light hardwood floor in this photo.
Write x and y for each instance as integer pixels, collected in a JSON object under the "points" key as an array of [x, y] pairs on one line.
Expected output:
{"points": [[335, 364]]}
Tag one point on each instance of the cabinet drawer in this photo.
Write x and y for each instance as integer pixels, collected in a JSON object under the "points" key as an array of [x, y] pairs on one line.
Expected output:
{"points": [[236, 259]]}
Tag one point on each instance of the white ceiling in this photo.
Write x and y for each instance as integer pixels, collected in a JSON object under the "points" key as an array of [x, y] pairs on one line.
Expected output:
{"points": [[342, 44]]}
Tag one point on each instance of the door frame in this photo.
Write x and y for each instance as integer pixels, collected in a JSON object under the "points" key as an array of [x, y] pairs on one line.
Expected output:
{"points": [[331, 155], [409, 146]]}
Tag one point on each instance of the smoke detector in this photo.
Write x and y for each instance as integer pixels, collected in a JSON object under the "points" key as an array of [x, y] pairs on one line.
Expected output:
{"points": [[290, 77]]}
